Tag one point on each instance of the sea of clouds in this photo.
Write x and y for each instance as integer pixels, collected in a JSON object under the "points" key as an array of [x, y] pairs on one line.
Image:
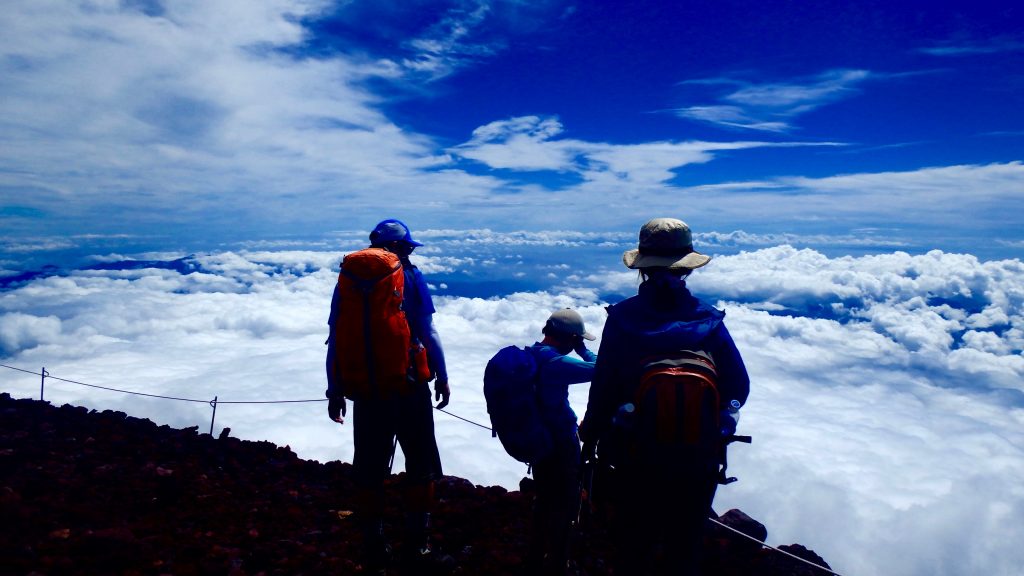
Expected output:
{"points": [[887, 402]]}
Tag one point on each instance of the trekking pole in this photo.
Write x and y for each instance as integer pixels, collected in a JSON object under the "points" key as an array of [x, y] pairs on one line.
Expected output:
{"points": [[580, 495], [391, 461], [586, 485]]}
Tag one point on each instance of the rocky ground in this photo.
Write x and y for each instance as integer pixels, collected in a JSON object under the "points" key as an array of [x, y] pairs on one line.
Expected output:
{"points": [[86, 492]]}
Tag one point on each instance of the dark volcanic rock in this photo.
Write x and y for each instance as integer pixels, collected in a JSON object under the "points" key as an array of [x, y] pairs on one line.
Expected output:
{"points": [[86, 492], [737, 520]]}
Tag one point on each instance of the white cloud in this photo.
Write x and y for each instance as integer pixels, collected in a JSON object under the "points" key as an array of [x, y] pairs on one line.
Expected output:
{"points": [[731, 116], [520, 144], [886, 389], [996, 45], [770, 106], [800, 97], [207, 101], [864, 238], [19, 331], [528, 143], [925, 207], [447, 46]]}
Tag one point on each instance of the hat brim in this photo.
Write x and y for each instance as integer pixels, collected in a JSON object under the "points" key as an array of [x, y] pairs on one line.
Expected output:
{"points": [[588, 336], [634, 259]]}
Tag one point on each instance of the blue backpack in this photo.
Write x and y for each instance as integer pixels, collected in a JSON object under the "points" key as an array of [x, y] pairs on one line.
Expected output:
{"points": [[510, 388]]}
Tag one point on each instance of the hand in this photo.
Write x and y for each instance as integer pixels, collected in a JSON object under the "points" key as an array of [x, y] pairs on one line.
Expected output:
{"points": [[579, 346], [337, 408], [728, 424], [442, 392]]}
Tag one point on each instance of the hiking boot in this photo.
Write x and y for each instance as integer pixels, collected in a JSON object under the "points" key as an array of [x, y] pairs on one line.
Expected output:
{"points": [[376, 557], [376, 550], [425, 561]]}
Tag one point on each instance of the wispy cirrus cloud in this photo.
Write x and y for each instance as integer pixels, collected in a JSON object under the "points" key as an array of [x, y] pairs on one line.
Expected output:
{"points": [[771, 107], [423, 41], [998, 45], [449, 43]]}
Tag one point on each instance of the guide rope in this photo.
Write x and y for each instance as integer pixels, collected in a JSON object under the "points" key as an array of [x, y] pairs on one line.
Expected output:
{"points": [[794, 556], [213, 403]]}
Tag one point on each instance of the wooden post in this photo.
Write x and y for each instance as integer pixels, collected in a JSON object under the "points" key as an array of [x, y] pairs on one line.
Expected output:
{"points": [[213, 403]]}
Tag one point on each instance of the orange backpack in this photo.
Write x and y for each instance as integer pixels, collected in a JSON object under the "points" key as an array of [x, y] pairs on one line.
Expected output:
{"points": [[677, 400], [375, 356]]}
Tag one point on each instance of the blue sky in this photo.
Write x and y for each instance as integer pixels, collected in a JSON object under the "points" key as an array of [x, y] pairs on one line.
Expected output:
{"points": [[150, 124]]}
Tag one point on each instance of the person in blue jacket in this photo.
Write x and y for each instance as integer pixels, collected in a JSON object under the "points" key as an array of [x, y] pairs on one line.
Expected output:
{"points": [[662, 496], [556, 477], [377, 423]]}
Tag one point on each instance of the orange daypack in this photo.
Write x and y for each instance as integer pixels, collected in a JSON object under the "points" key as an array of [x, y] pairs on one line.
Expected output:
{"points": [[375, 356], [677, 400]]}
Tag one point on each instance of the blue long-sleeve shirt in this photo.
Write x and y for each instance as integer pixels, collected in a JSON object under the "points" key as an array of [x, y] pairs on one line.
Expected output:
{"points": [[558, 372]]}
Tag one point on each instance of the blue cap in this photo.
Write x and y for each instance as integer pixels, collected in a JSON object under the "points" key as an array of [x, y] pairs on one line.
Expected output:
{"points": [[392, 230]]}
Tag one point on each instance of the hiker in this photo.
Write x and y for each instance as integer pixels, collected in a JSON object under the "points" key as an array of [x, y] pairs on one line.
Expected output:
{"points": [[662, 492], [557, 476], [385, 409]]}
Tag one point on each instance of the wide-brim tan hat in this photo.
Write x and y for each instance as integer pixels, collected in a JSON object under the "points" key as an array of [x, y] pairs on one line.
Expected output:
{"points": [[665, 243]]}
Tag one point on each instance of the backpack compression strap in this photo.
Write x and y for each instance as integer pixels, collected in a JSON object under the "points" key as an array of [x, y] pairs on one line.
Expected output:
{"points": [[365, 286]]}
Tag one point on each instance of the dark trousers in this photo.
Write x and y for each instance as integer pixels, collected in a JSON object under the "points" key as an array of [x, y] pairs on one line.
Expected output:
{"points": [[661, 508], [557, 484], [375, 426]]}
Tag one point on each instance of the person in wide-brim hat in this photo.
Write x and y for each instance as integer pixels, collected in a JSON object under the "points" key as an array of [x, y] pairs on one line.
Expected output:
{"points": [[666, 479], [665, 243]]}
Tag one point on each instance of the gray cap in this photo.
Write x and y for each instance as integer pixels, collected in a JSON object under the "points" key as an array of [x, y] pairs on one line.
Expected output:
{"points": [[665, 242], [569, 321]]}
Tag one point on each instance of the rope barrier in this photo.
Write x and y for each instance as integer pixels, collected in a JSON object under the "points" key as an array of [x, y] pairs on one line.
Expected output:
{"points": [[488, 428], [213, 403], [794, 556], [125, 391], [21, 370], [46, 374]]}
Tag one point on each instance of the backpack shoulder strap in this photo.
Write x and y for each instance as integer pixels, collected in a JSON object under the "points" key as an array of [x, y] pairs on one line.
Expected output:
{"points": [[538, 362]]}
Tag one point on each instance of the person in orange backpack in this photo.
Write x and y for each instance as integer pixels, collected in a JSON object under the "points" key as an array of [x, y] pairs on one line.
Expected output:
{"points": [[666, 371], [382, 352]]}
